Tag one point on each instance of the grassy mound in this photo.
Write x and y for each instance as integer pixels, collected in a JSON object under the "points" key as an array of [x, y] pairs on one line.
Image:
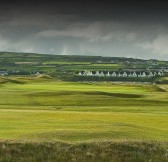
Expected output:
{"points": [[4, 80], [44, 76], [162, 80]]}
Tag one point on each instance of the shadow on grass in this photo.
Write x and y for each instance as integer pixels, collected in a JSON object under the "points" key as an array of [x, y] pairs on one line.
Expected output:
{"points": [[93, 93]]}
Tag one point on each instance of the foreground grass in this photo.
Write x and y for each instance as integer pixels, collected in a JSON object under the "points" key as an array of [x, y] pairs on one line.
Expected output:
{"points": [[123, 151]]}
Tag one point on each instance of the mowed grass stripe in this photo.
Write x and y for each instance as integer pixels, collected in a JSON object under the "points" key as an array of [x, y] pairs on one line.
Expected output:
{"points": [[81, 126]]}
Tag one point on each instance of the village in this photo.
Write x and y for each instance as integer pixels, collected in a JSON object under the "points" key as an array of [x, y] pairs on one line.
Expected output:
{"points": [[125, 73]]}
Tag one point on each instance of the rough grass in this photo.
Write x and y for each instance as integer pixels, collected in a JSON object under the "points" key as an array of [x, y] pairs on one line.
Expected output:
{"points": [[108, 151]]}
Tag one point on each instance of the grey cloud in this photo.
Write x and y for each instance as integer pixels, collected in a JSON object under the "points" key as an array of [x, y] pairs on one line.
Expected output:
{"points": [[96, 31], [159, 45], [84, 30]]}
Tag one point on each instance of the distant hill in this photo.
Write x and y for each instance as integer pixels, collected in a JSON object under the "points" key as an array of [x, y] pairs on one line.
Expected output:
{"points": [[47, 57]]}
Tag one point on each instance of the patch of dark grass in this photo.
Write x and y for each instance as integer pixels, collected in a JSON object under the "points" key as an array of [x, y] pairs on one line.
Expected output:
{"points": [[93, 98], [93, 93]]}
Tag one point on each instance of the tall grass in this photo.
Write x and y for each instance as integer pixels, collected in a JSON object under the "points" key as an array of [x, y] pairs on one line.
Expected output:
{"points": [[137, 151]]}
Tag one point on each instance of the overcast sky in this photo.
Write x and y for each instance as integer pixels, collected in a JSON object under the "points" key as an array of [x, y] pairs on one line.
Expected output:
{"points": [[120, 28]]}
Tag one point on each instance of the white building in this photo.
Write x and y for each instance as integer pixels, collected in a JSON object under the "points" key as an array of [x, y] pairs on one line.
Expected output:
{"points": [[134, 74], [108, 74], [80, 73], [101, 73], [114, 74], [119, 75], [160, 73], [97, 73], [124, 74], [144, 74], [130, 74]]}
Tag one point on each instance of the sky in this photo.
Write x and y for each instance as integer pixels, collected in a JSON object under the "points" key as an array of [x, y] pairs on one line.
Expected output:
{"points": [[119, 28]]}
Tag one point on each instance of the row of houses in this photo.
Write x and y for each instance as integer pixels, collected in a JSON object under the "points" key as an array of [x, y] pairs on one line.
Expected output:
{"points": [[134, 74]]}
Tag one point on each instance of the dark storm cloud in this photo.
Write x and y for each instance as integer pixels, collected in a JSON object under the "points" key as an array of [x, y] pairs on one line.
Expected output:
{"points": [[120, 28]]}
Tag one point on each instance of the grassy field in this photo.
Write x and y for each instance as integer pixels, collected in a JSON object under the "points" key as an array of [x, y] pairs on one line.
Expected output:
{"points": [[95, 117]]}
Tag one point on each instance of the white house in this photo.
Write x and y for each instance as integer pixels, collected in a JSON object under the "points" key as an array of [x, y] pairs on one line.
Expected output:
{"points": [[80, 73], [155, 73], [124, 74], [37, 73], [101, 73], [160, 73], [143, 74], [93, 73], [108, 73], [130, 74], [139, 75], [89, 73], [86, 73], [119, 75], [134, 74], [114, 74], [97, 73]]}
